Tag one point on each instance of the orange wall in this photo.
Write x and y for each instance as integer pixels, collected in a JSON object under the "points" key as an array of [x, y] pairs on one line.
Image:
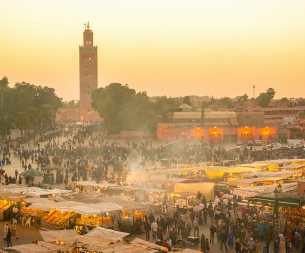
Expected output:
{"points": [[214, 135]]}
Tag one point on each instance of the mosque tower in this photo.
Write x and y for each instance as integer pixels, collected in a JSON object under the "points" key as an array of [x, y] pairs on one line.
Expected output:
{"points": [[87, 73]]}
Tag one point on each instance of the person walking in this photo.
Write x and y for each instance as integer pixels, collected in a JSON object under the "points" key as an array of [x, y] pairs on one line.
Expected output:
{"points": [[276, 246], [251, 245], [196, 227], [5, 230], [231, 239], [237, 246], [223, 240], [147, 229], [257, 246], [202, 243], [154, 228], [9, 237], [297, 238], [14, 229], [283, 245], [212, 233]]}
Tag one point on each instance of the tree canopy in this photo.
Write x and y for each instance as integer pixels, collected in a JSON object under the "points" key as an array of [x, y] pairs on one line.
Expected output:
{"points": [[264, 98], [124, 109], [27, 106]]}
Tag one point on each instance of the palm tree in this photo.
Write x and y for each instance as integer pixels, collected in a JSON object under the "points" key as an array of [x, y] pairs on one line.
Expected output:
{"points": [[3, 87]]}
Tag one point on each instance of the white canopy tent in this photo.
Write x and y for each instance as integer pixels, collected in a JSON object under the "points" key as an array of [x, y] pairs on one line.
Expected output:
{"points": [[264, 189], [40, 247], [249, 182], [53, 235], [283, 174]]}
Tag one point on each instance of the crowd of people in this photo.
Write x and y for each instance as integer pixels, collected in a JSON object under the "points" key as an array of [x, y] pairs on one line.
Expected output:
{"points": [[84, 152]]}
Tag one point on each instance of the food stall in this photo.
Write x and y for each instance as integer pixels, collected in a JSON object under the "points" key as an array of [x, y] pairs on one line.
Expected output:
{"points": [[182, 200], [155, 199], [56, 219], [130, 210], [5, 205], [95, 215]]}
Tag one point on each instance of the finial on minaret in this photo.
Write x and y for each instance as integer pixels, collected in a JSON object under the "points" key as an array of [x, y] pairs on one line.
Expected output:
{"points": [[88, 25]]}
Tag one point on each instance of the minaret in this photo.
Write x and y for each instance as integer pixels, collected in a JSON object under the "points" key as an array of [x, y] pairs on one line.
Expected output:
{"points": [[87, 73]]}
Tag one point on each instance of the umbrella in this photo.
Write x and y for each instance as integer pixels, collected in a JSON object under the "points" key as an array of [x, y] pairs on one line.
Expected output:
{"points": [[31, 173], [52, 167]]}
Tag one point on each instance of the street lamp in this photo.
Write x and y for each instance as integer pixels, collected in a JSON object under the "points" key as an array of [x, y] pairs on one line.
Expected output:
{"points": [[277, 191]]}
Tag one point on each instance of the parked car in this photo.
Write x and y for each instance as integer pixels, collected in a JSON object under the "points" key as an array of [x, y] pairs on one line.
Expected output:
{"points": [[250, 143], [195, 144], [239, 143], [258, 143], [172, 145], [274, 145], [281, 147]]}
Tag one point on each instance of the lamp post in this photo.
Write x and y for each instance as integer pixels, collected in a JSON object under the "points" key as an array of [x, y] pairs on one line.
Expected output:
{"points": [[277, 191]]}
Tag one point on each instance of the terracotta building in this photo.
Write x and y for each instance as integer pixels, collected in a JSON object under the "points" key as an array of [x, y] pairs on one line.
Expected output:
{"points": [[88, 82]]}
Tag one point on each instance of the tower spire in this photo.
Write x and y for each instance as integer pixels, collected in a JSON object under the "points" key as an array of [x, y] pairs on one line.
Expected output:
{"points": [[88, 25]]}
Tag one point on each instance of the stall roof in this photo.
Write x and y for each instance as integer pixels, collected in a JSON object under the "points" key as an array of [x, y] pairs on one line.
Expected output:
{"points": [[138, 241], [37, 200], [98, 236], [284, 174], [93, 183], [249, 181], [122, 247], [188, 251], [42, 192], [53, 235], [264, 189], [126, 204], [171, 180], [293, 167], [58, 205], [40, 247], [95, 208], [32, 191], [153, 190]]}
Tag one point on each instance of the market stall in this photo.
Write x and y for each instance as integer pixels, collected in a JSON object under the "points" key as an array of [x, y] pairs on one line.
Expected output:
{"points": [[182, 201], [130, 210], [250, 182], [93, 215], [6, 204], [56, 219], [10, 204], [206, 188], [84, 186], [30, 213], [98, 237]]}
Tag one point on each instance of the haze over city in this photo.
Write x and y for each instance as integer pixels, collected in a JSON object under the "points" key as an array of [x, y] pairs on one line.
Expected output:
{"points": [[173, 48]]}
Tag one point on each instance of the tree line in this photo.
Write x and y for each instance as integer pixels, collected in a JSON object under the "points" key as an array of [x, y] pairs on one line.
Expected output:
{"points": [[27, 107]]}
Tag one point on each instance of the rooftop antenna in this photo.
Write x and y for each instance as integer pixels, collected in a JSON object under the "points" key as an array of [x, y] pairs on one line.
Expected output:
{"points": [[85, 26], [253, 91], [88, 25]]}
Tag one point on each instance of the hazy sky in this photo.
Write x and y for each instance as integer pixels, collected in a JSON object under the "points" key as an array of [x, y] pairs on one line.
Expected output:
{"points": [[173, 48]]}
